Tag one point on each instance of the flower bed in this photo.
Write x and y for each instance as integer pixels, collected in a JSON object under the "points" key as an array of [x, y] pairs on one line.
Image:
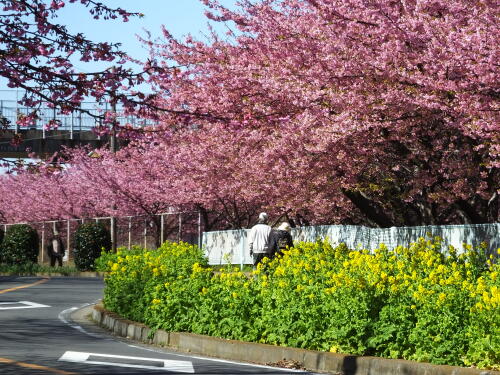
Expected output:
{"points": [[414, 303]]}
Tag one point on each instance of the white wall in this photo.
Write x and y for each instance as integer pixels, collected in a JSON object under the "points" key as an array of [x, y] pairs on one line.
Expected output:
{"points": [[224, 247]]}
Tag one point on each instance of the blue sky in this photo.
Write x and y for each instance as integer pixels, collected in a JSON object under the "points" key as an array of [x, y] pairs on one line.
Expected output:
{"points": [[180, 17]]}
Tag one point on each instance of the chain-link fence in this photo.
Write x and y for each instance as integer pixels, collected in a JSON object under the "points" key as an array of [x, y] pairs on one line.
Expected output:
{"points": [[145, 231]]}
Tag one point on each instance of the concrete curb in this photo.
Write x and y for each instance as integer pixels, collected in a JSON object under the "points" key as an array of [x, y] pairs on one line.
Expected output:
{"points": [[265, 354]]}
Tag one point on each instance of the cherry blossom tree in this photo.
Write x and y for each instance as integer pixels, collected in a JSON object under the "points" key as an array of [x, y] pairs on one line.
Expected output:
{"points": [[383, 113], [318, 111]]}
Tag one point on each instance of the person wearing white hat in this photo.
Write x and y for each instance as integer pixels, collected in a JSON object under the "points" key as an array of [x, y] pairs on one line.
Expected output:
{"points": [[258, 239], [280, 239]]}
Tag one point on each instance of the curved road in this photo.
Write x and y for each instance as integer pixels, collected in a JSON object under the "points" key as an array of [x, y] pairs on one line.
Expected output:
{"points": [[38, 337]]}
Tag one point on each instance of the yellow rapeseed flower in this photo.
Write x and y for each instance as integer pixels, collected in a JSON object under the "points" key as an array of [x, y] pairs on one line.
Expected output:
{"points": [[282, 284], [441, 297]]}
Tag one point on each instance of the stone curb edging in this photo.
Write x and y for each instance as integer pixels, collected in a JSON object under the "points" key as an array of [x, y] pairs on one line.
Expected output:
{"points": [[55, 274], [263, 353]]}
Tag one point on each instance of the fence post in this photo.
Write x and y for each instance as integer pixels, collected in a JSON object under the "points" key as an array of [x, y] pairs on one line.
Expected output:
{"points": [[242, 250], [180, 228], [162, 224], [80, 123], [113, 234], [68, 238], [17, 112], [43, 242], [199, 229], [72, 125], [129, 232], [145, 233]]}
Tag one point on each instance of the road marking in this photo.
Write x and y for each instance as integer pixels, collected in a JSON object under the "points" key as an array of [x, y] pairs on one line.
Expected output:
{"points": [[63, 317], [127, 361], [62, 314], [24, 286], [35, 367], [24, 305]]}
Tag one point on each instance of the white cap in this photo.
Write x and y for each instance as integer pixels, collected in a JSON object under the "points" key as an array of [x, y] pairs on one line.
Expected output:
{"points": [[285, 226], [263, 216]]}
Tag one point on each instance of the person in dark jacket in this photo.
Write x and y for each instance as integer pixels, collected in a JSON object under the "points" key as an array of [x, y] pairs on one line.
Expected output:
{"points": [[280, 239], [55, 249]]}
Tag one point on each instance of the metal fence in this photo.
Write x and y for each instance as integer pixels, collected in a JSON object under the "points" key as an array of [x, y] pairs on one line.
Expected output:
{"points": [[230, 246], [223, 247], [77, 121], [144, 231]]}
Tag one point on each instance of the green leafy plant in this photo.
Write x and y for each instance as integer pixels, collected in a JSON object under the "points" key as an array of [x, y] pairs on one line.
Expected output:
{"points": [[420, 302], [29, 269], [19, 245], [90, 240], [137, 277], [106, 259]]}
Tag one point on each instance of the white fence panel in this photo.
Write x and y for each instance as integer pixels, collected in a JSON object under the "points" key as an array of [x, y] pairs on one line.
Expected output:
{"points": [[224, 247]]}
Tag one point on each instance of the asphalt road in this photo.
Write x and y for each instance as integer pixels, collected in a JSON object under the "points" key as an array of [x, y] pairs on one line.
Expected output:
{"points": [[39, 337]]}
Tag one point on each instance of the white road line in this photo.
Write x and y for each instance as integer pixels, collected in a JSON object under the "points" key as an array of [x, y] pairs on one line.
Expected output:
{"points": [[121, 361], [63, 314], [63, 318], [24, 305]]}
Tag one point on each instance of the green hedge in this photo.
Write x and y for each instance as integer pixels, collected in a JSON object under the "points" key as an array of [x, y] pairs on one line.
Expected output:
{"points": [[134, 276], [19, 245], [420, 303], [30, 269], [90, 240]]}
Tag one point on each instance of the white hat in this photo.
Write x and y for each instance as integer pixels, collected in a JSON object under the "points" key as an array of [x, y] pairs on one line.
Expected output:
{"points": [[263, 216], [285, 226]]}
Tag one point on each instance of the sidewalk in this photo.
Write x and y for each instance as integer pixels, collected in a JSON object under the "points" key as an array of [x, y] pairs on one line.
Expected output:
{"points": [[331, 363]]}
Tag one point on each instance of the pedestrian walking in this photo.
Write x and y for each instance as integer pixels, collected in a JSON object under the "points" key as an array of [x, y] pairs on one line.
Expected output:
{"points": [[55, 249], [258, 239], [280, 239]]}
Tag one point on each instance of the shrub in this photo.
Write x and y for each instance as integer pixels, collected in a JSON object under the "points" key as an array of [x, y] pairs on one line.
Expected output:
{"points": [[420, 302], [1, 236], [30, 269], [135, 277], [19, 245], [90, 240], [106, 259]]}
